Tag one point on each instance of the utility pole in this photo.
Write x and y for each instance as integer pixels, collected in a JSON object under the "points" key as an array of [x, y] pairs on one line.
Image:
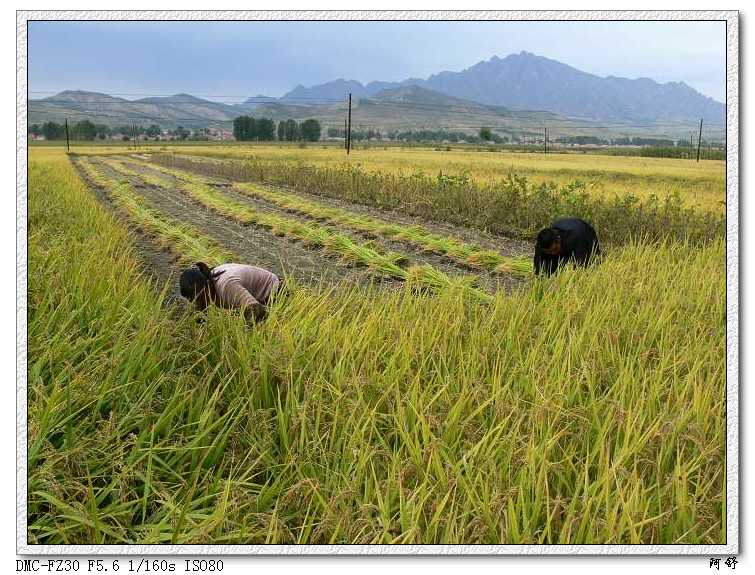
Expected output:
{"points": [[344, 132], [348, 139], [699, 139], [68, 145]]}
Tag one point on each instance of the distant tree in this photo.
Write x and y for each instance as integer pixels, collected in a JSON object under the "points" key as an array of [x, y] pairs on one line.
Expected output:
{"points": [[84, 130], [335, 133], [310, 130], [102, 131], [486, 134], [200, 134], [53, 131], [182, 133], [281, 130], [424, 136], [291, 131], [35, 130], [250, 128], [245, 128], [265, 130], [238, 130], [153, 131]]}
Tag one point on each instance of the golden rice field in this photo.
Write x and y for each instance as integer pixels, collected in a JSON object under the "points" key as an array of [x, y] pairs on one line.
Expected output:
{"points": [[419, 385], [700, 184]]}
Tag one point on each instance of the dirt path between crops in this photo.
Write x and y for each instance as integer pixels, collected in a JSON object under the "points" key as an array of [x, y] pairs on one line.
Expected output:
{"points": [[486, 280], [254, 244], [158, 264], [507, 246]]}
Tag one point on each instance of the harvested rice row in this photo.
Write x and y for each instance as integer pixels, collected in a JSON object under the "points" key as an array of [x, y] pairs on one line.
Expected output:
{"points": [[387, 264], [469, 254], [350, 252], [119, 166], [93, 173], [186, 242], [336, 244]]}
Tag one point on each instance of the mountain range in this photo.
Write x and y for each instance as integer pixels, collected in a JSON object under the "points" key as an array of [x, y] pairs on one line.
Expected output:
{"points": [[526, 81], [519, 92]]}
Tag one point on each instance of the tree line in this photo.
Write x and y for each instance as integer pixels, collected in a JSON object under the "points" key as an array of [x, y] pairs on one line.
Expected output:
{"points": [[247, 128], [83, 130], [87, 130]]}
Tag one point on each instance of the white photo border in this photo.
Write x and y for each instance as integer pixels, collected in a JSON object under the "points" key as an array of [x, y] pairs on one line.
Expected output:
{"points": [[731, 547]]}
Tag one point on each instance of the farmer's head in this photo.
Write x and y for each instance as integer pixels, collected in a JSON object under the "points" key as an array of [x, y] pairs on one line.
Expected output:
{"points": [[549, 241], [196, 284]]}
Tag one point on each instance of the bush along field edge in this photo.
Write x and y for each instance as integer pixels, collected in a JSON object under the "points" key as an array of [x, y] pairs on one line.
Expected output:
{"points": [[511, 206]]}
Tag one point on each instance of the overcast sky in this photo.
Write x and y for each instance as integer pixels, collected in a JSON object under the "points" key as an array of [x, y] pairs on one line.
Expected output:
{"points": [[232, 60]]}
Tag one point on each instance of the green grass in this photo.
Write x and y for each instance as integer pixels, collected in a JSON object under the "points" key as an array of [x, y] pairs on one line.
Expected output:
{"points": [[587, 408]]}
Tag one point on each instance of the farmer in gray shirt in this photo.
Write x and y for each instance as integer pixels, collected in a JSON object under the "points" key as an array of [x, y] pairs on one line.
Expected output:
{"points": [[232, 286]]}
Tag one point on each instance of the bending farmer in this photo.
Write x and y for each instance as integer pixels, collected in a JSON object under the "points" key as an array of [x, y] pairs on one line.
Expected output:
{"points": [[233, 286], [567, 239]]}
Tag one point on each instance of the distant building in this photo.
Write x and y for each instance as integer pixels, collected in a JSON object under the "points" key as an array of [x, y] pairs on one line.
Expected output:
{"points": [[219, 134]]}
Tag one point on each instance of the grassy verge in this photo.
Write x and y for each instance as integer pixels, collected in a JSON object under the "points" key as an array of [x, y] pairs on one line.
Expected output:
{"points": [[580, 410], [510, 205], [465, 253]]}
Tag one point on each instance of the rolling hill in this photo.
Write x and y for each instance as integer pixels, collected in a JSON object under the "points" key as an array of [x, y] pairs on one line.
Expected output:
{"points": [[179, 109]]}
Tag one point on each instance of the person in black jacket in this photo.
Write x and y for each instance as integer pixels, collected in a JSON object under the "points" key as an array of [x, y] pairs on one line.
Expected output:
{"points": [[567, 239]]}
